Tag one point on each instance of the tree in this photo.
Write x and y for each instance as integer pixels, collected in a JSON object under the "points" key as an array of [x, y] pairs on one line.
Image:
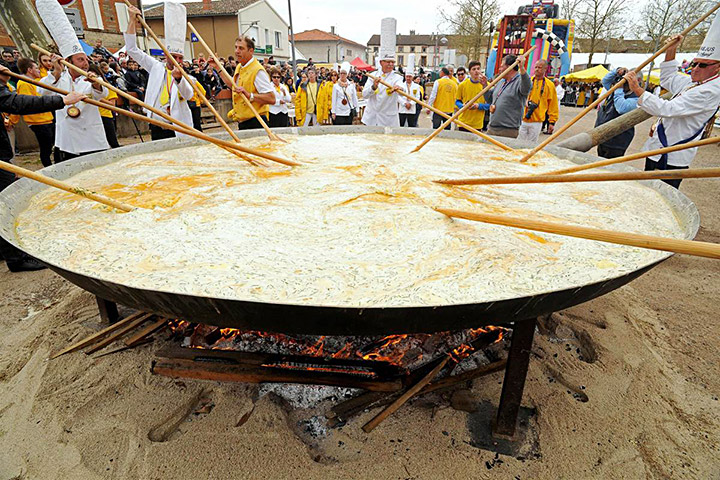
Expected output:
{"points": [[662, 19], [599, 20], [472, 21], [569, 8]]}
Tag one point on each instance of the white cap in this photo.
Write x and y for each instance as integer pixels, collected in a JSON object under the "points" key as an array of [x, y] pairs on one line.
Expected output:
{"points": [[345, 66], [57, 23], [388, 39], [175, 27], [410, 67], [710, 49]]}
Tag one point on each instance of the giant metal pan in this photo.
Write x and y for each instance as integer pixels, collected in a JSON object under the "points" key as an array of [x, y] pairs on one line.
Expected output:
{"points": [[323, 320]]}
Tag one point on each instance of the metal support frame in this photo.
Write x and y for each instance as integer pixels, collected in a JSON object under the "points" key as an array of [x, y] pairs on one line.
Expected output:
{"points": [[515, 375], [108, 310]]}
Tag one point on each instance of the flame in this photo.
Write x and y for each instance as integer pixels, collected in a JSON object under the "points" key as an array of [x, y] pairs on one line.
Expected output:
{"points": [[401, 350]]}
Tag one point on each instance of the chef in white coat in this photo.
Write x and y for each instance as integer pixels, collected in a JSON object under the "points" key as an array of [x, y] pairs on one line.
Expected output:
{"points": [[382, 102], [408, 107], [78, 128], [166, 89], [685, 117]]}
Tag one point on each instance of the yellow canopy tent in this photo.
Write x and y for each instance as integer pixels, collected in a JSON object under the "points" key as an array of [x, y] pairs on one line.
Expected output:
{"points": [[655, 76], [590, 75]]}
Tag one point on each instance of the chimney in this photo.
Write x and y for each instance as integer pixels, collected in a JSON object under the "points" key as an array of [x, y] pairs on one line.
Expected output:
{"points": [[412, 32], [332, 30], [206, 4]]}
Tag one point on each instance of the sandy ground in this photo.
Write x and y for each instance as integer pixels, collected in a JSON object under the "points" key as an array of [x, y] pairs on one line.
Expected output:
{"points": [[644, 357]]}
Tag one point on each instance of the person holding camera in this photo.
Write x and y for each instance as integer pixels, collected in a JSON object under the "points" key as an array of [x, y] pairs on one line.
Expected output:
{"points": [[621, 102], [542, 100], [508, 99]]}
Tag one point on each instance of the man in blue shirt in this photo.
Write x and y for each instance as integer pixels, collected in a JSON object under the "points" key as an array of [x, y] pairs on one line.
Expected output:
{"points": [[622, 101]]}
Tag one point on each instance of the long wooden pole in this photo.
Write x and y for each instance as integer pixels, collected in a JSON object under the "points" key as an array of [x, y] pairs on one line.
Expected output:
{"points": [[619, 84], [23, 172], [589, 177], [490, 85], [445, 115], [132, 99], [688, 247], [187, 78], [227, 78], [160, 123], [635, 156]]}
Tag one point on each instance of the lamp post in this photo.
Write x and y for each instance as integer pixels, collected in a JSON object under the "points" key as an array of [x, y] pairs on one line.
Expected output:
{"points": [[442, 40], [647, 39], [292, 42]]}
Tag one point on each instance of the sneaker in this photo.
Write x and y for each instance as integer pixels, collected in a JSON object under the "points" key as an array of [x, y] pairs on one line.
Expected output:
{"points": [[26, 265]]}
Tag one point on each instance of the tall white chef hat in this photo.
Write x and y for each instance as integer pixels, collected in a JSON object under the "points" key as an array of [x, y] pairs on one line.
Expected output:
{"points": [[57, 23], [710, 49], [388, 39], [175, 27], [410, 67], [345, 66]]}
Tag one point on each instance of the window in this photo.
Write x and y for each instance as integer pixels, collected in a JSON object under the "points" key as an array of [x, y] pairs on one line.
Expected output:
{"points": [[348, 53], [92, 14], [123, 17], [278, 40], [423, 61], [400, 59], [424, 49], [268, 41], [254, 33], [375, 49]]}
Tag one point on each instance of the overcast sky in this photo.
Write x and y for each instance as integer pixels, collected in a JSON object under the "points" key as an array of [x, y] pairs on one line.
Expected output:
{"points": [[361, 20]]}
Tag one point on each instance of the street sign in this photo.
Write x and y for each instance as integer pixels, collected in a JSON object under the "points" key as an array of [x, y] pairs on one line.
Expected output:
{"points": [[268, 49], [73, 15], [259, 50], [157, 52], [194, 38]]}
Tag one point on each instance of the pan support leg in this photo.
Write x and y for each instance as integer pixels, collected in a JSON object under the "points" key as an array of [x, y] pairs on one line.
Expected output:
{"points": [[108, 310], [514, 381]]}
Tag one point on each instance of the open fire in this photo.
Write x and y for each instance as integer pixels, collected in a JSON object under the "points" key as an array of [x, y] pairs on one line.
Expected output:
{"points": [[407, 352]]}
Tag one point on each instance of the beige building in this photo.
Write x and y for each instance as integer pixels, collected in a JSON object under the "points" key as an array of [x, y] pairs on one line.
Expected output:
{"points": [[327, 47], [220, 22], [428, 49]]}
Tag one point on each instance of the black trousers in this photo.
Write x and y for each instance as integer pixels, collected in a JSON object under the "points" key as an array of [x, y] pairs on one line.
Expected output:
{"points": [[409, 119], [438, 120], [45, 135], [64, 156], [418, 110], [197, 117], [342, 120], [251, 124], [278, 120], [653, 165], [607, 152], [110, 133], [7, 252], [157, 133]]}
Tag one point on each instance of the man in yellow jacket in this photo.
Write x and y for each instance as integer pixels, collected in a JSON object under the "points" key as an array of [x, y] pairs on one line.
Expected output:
{"points": [[252, 81], [542, 100], [41, 124], [475, 115], [443, 97]]}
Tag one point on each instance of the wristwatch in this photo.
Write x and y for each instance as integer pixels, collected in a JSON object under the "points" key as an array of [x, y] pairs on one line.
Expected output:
{"points": [[252, 97]]}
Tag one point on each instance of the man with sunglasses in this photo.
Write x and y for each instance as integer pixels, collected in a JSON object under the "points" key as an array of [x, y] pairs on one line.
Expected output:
{"points": [[687, 115]]}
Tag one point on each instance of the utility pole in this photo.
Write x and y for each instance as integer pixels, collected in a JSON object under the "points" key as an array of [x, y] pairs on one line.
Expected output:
{"points": [[24, 25], [292, 42]]}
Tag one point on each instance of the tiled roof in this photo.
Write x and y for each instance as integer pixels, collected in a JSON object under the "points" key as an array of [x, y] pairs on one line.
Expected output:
{"points": [[196, 9], [322, 36]]}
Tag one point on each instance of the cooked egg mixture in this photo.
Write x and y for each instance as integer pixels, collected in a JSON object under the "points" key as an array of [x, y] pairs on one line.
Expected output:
{"points": [[352, 227]]}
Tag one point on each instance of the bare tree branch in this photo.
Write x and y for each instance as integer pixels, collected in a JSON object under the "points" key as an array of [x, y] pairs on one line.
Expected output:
{"points": [[471, 20]]}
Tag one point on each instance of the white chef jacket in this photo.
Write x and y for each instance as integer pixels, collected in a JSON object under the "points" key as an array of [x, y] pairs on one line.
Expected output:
{"points": [[415, 92], [683, 116], [560, 91], [339, 94], [283, 95], [84, 133], [382, 109], [180, 92]]}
